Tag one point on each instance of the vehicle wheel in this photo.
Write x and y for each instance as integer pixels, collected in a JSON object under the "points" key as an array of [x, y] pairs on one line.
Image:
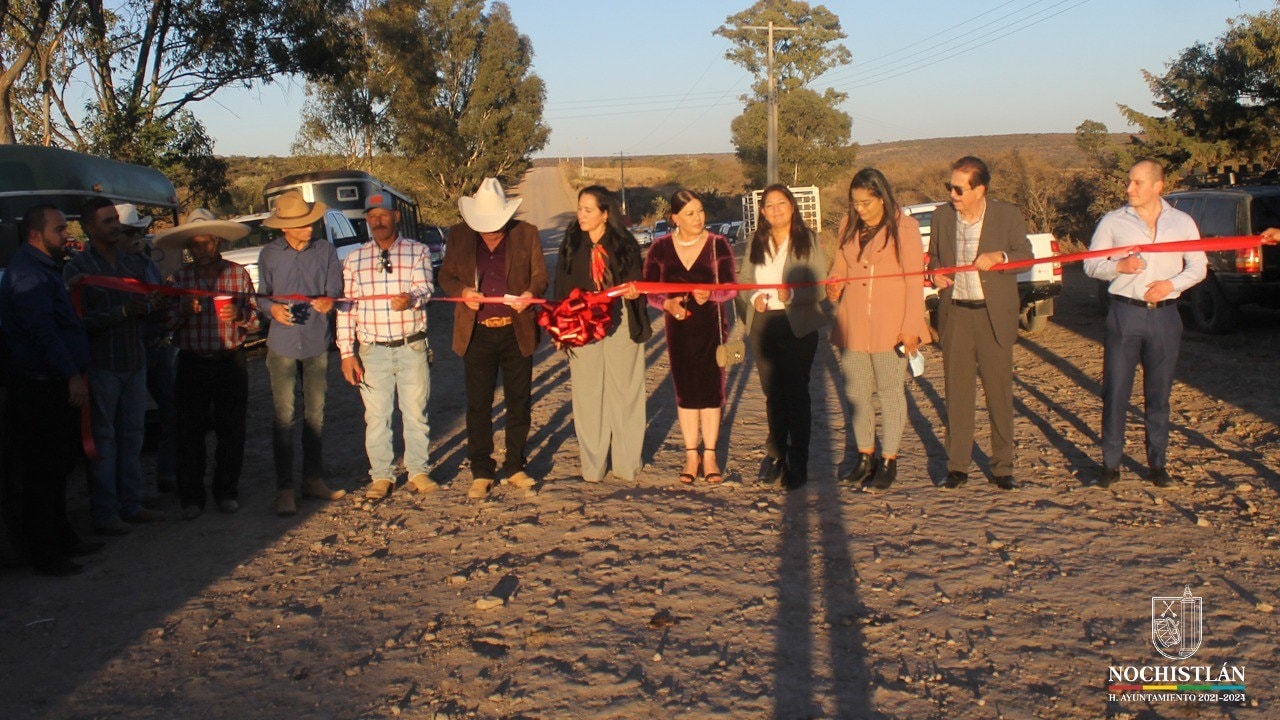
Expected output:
{"points": [[1211, 312], [1031, 320]]}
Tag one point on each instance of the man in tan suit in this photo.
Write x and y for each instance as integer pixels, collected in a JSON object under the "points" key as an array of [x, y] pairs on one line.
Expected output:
{"points": [[977, 315], [492, 255]]}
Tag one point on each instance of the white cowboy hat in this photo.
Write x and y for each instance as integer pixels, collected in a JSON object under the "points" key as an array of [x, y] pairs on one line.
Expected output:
{"points": [[489, 209], [291, 211], [128, 213]]}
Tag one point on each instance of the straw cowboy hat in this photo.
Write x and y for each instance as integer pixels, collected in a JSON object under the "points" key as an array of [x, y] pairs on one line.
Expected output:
{"points": [[128, 213], [489, 209], [291, 211], [167, 245]]}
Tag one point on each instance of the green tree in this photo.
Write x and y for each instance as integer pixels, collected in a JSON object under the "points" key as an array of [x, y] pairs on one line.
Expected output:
{"points": [[464, 102], [813, 138], [348, 116], [32, 33], [799, 56], [1222, 100], [813, 133], [147, 62]]}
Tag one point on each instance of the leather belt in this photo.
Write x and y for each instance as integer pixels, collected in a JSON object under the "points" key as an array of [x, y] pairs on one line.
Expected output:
{"points": [[496, 322], [1143, 303], [402, 341], [970, 304]]}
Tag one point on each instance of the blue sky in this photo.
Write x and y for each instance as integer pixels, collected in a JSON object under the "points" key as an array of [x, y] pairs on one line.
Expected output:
{"points": [[648, 77]]}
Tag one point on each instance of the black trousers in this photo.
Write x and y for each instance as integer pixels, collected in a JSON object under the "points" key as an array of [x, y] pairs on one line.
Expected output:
{"points": [[491, 350], [785, 363], [44, 442], [217, 388]]}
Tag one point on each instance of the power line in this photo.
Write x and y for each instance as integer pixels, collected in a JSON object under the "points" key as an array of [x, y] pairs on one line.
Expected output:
{"points": [[857, 77]]}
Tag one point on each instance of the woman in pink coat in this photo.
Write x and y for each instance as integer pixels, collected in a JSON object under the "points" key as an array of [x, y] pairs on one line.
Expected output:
{"points": [[880, 320]]}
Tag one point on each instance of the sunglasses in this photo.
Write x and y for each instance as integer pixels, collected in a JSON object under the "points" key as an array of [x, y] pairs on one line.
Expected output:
{"points": [[959, 190], [386, 262]]}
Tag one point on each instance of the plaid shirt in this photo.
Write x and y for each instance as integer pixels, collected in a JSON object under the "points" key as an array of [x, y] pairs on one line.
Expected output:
{"points": [[203, 333], [364, 273], [116, 340]]}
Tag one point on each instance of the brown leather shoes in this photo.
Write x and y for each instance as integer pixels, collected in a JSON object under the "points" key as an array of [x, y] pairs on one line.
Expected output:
{"points": [[285, 503], [422, 484], [378, 489], [315, 488]]}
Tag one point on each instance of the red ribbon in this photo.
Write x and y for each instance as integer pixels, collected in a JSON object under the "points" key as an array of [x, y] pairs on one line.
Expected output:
{"points": [[583, 317], [579, 319]]}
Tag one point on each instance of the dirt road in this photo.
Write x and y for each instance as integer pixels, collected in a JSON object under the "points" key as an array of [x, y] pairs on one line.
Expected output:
{"points": [[659, 600]]}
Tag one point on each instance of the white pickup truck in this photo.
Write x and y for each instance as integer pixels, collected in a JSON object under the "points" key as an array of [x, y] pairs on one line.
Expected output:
{"points": [[1038, 285]]}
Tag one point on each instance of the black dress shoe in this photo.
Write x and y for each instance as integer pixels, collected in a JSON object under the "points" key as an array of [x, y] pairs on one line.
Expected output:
{"points": [[1004, 482], [1160, 477], [796, 475], [1106, 477], [885, 474], [768, 470], [83, 547], [61, 567], [955, 479], [864, 471]]}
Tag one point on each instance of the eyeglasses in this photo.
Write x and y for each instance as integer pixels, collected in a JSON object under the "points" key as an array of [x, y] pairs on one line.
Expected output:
{"points": [[863, 204], [386, 262], [957, 189]]}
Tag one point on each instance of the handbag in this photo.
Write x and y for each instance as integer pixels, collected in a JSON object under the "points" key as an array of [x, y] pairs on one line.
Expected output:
{"points": [[729, 352]]}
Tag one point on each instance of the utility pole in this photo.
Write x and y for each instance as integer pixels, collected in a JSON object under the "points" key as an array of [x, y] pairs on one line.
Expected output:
{"points": [[772, 163], [622, 171]]}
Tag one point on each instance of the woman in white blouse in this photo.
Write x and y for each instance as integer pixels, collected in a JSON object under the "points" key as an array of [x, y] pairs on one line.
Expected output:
{"points": [[782, 327]]}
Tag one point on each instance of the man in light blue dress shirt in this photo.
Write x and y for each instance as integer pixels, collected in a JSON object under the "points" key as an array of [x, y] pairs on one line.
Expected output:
{"points": [[1143, 325]]}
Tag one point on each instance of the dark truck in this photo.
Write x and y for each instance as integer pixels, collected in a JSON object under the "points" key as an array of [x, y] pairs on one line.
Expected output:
{"points": [[1228, 204]]}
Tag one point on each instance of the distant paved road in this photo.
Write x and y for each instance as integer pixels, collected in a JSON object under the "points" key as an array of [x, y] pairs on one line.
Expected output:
{"points": [[549, 203]]}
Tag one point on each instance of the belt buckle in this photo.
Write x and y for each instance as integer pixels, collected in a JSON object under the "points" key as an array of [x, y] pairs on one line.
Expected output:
{"points": [[1152, 306]]}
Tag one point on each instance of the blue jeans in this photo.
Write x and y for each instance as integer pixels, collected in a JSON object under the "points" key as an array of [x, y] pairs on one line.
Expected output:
{"points": [[283, 372], [390, 373], [118, 402]]}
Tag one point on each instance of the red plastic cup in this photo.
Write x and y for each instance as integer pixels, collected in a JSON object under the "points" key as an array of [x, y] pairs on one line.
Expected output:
{"points": [[219, 302]]}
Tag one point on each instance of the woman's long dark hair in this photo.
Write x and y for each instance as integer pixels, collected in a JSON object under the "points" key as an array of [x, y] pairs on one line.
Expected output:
{"points": [[874, 182], [624, 251], [801, 238]]}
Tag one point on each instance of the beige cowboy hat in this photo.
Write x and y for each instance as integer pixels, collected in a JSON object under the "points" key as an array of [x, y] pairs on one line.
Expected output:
{"points": [[196, 223], [489, 209], [167, 245], [292, 211]]}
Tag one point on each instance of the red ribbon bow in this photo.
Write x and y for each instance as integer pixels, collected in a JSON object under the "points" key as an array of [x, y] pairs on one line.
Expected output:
{"points": [[579, 319]]}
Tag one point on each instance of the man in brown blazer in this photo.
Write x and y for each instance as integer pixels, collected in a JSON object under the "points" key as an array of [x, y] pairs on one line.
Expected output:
{"points": [[492, 255], [977, 315]]}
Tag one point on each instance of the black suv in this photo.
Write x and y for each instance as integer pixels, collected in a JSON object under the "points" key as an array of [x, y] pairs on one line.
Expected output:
{"points": [[1236, 277]]}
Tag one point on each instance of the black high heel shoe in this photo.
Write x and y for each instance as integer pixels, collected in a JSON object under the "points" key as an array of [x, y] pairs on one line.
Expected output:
{"points": [[713, 477], [687, 478]]}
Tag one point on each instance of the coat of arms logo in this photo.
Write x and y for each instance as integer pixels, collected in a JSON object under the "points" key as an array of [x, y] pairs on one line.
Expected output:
{"points": [[1176, 625]]}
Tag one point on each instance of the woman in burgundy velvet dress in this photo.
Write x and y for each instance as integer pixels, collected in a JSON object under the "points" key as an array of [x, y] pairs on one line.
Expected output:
{"points": [[696, 324]]}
